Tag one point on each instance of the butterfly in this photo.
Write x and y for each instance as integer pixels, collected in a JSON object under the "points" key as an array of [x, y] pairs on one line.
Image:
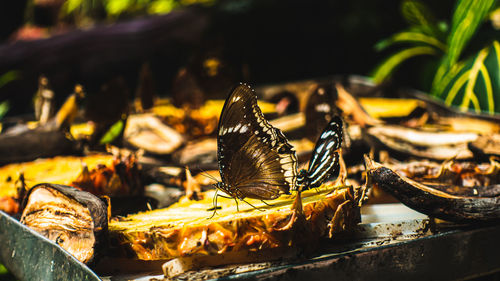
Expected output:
{"points": [[320, 109], [255, 159], [325, 159]]}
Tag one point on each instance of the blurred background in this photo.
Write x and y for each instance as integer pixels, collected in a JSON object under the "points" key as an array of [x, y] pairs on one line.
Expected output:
{"points": [[260, 41]]}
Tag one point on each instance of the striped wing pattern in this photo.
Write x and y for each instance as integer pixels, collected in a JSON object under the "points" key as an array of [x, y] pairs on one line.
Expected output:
{"points": [[325, 158]]}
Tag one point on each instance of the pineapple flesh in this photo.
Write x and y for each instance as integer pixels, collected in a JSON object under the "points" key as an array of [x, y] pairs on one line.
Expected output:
{"points": [[186, 229]]}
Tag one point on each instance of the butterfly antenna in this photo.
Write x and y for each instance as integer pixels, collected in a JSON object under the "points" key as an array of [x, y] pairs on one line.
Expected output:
{"points": [[207, 175]]}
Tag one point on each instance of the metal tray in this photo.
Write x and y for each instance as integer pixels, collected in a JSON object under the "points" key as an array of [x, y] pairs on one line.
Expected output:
{"points": [[392, 243]]}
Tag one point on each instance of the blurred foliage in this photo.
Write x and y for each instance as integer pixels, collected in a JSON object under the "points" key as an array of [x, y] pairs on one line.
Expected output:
{"points": [[475, 83], [113, 132], [4, 108], [3, 270], [425, 36], [468, 84], [467, 17], [5, 275], [4, 79], [86, 11], [8, 77]]}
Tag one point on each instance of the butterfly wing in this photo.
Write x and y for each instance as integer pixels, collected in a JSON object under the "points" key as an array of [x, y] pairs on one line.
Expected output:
{"points": [[325, 158], [320, 109], [254, 157]]}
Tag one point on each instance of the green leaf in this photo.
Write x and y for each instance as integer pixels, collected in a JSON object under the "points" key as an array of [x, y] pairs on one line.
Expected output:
{"points": [[417, 13], [476, 84], [3, 270], [113, 132], [4, 108], [161, 6], [411, 37], [389, 65], [71, 5], [467, 17], [8, 77], [116, 7]]}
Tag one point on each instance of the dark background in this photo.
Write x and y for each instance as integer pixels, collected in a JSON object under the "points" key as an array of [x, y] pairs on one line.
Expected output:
{"points": [[275, 41]]}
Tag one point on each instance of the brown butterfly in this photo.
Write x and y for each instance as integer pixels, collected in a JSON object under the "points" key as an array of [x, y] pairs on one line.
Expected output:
{"points": [[255, 159]]}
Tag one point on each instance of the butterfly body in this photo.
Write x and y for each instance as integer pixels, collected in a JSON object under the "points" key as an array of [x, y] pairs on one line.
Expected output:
{"points": [[255, 159], [326, 157]]}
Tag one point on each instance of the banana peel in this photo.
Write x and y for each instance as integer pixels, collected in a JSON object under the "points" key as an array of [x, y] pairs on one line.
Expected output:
{"points": [[437, 203]]}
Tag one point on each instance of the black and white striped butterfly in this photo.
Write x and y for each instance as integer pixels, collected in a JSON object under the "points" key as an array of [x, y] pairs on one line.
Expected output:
{"points": [[325, 159], [255, 159]]}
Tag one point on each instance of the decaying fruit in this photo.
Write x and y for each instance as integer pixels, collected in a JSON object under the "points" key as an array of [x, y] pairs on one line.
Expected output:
{"points": [[76, 220], [184, 230], [149, 133], [101, 174], [421, 143], [196, 123], [58, 170], [455, 177], [437, 193], [486, 145], [120, 178]]}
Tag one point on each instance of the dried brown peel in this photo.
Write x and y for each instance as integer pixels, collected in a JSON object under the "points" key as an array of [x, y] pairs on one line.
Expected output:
{"points": [[420, 143], [486, 145], [75, 220], [454, 177], [147, 132], [352, 108], [434, 202], [184, 229]]}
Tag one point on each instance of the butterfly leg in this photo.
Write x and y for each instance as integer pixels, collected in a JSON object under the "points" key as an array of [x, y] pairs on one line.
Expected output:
{"points": [[215, 207], [253, 206], [270, 205], [237, 206]]}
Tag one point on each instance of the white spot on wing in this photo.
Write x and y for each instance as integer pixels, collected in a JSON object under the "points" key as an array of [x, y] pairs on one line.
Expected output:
{"points": [[330, 145], [322, 107]]}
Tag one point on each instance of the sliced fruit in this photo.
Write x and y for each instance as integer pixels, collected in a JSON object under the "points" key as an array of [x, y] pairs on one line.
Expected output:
{"points": [[187, 228], [75, 220]]}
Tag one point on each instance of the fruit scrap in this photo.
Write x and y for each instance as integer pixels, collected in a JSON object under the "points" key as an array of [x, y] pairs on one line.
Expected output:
{"points": [[192, 187], [182, 230], [121, 178], [75, 220], [438, 197]]}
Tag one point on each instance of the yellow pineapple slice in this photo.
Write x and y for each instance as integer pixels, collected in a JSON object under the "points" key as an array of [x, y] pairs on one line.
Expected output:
{"points": [[186, 229], [59, 170]]}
